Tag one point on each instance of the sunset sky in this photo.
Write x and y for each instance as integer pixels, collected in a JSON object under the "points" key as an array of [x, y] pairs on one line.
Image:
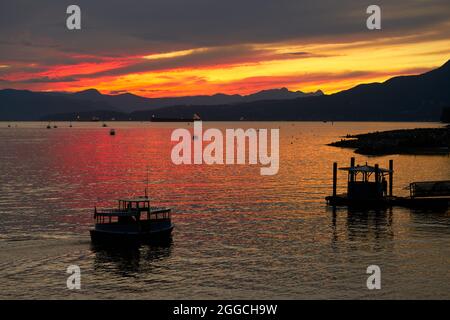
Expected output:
{"points": [[191, 47]]}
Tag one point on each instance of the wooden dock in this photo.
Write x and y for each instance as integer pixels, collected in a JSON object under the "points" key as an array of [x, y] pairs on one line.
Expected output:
{"points": [[424, 203], [363, 191]]}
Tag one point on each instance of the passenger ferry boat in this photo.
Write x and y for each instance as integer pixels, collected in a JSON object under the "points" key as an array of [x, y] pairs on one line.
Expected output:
{"points": [[134, 220]]}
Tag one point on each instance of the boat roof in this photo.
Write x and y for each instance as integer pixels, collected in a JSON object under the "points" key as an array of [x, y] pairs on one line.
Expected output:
{"points": [[365, 168], [136, 199]]}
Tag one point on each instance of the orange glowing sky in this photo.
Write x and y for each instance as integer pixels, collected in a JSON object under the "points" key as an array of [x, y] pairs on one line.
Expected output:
{"points": [[308, 63]]}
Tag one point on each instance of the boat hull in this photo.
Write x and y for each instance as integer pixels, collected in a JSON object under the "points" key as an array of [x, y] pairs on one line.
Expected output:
{"points": [[104, 236]]}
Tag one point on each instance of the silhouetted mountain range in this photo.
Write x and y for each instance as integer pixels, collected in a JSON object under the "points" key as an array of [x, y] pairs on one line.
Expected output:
{"points": [[28, 105], [128, 102], [405, 98]]}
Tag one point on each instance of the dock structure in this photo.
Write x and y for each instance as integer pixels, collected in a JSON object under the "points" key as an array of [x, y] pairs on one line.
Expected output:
{"points": [[367, 186]]}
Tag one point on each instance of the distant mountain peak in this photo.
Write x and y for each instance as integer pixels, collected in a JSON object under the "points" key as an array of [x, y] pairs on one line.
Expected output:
{"points": [[89, 92], [319, 93], [282, 93], [279, 90], [445, 66]]}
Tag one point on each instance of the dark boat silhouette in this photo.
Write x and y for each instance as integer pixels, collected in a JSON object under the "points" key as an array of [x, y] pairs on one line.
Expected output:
{"points": [[133, 220], [195, 117]]}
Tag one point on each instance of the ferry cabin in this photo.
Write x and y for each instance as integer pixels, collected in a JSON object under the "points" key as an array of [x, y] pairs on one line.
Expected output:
{"points": [[131, 211]]}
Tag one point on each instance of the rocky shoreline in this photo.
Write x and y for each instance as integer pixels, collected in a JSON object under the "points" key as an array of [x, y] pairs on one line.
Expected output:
{"points": [[430, 141]]}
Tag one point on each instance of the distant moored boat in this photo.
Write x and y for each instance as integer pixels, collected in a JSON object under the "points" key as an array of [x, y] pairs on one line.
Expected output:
{"points": [[195, 117]]}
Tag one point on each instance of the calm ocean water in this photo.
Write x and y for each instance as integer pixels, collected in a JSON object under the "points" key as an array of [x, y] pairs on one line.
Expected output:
{"points": [[238, 234]]}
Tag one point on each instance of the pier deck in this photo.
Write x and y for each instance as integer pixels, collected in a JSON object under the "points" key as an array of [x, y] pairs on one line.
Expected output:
{"points": [[410, 202]]}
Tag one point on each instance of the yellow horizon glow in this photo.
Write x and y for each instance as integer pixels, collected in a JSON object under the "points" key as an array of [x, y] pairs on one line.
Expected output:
{"points": [[173, 54], [330, 67], [333, 62]]}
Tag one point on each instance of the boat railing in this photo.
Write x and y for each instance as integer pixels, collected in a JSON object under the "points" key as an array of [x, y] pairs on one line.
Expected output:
{"points": [[112, 215], [159, 216], [118, 212], [157, 213]]}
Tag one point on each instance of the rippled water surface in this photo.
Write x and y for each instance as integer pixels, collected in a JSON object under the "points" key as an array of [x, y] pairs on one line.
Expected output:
{"points": [[238, 234]]}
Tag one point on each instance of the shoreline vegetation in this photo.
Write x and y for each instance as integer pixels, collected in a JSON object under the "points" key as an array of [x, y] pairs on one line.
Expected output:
{"points": [[445, 117], [424, 141]]}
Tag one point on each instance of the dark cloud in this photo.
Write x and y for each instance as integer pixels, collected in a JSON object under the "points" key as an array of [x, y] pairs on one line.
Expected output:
{"points": [[115, 27], [118, 91], [207, 57], [34, 38], [44, 79], [50, 80], [305, 55]]}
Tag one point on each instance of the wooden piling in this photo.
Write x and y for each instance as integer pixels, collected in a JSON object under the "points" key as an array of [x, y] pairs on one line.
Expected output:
{"points": [[334, 178], [377, 177], [352, 165], [391, 176]]}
